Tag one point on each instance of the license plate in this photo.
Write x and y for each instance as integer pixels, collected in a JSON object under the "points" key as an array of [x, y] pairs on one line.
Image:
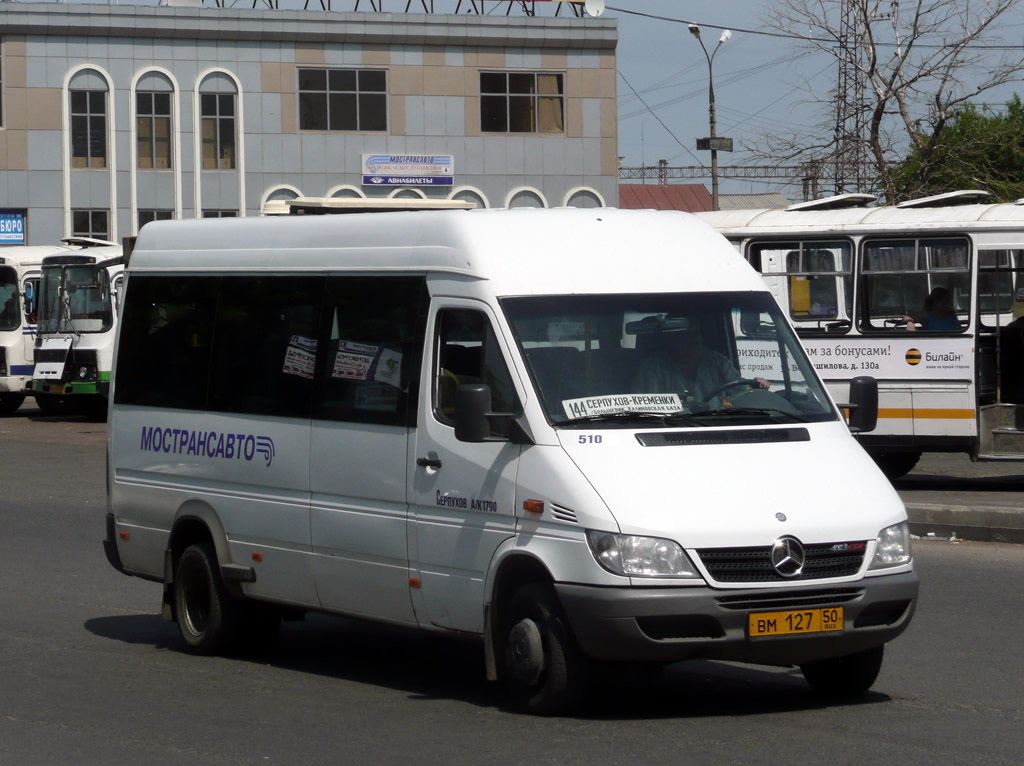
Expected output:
{"points": [[797, 621]]}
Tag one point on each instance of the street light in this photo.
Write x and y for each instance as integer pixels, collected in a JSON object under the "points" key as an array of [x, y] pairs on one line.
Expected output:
{"points": [[713, 143]]}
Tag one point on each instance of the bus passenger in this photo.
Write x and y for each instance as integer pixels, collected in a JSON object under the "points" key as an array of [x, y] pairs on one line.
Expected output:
{"points": [[937, 315]]}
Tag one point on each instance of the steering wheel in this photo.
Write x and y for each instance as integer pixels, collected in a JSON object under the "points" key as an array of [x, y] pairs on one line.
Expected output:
{"points": [[729, 384]]}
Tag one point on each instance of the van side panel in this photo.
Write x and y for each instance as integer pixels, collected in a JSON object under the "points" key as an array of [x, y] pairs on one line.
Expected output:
{"points": [[358, 519], [252, 474]]}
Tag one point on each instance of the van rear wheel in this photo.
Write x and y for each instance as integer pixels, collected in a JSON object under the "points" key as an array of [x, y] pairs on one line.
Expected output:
{"points": [[844, 676], [541, 660], [209, 619]]}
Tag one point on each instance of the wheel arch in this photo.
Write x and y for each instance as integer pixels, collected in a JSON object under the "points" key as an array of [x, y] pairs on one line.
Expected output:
{"points": [[511, 571], [195, 522]]}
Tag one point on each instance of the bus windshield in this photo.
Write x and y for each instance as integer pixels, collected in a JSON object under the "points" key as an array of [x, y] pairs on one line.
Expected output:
{"points": [[9, 308], [686, 358], [75, 299]]}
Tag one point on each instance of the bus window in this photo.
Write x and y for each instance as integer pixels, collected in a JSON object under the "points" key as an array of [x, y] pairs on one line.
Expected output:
{"points": [[902, 279], [999, 275], [9, 308], [818, 280]]}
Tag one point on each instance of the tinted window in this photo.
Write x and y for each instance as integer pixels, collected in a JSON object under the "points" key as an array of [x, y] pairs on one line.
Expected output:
{"points": [[264, 350], [164, 352], [373, 338]]}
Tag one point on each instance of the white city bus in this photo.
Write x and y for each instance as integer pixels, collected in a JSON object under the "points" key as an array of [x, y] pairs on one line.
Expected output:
{"points": [[74, 344], [19, 286], [855, 281]]}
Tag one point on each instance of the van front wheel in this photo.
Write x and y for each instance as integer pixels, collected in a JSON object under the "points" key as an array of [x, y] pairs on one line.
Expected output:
{"points": [[208, 617], [541, 660], [844, 676]]}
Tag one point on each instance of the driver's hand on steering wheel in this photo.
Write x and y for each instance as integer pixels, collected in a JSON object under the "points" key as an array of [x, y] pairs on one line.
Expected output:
{"points": [[763, 383]]}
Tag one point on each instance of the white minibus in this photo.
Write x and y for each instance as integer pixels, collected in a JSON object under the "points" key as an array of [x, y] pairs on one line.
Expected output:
{"points": [[543, 428]]}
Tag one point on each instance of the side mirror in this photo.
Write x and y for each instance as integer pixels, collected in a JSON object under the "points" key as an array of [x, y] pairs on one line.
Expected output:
{"points": [[863, 404], [472, 404]]}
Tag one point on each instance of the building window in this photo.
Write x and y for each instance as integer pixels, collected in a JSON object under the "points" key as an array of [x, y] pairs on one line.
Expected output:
{"points": [[90, 223], [343, 99], [145, 216], [88, 128], [153, 130], [220, 214], [521, 102], [218, 126]]}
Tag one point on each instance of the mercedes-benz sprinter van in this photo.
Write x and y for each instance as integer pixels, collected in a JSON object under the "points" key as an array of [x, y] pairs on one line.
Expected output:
{"points": [[581, 435]]}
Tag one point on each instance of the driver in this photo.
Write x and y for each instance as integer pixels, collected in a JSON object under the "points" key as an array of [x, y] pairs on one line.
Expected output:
{"points": [[685, 366]]}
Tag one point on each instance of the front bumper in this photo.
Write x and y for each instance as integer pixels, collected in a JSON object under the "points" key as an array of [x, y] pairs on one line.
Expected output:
{"points": [[671, 624]]}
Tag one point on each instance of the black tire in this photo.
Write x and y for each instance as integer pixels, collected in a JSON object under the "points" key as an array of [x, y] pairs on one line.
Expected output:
{"points": [[557, 684], [844, 676], [210, 620], [896, 464], [10, 402], [50, 404]]}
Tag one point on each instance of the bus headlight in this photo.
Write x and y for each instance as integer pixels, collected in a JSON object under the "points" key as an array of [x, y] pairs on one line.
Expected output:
{"points": [[893, 547], [634, 556]]}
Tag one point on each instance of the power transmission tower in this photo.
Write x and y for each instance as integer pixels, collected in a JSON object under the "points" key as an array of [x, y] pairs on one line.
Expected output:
{"points": [[849, 164]]}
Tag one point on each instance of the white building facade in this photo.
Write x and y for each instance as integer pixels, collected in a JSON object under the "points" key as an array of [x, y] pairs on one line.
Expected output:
{"points": [[113, 116]]}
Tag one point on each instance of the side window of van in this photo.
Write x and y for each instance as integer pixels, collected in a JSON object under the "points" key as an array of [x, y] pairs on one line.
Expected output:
{"points": [[265, 349], [468, 352], [372, 339], [164, 353]]}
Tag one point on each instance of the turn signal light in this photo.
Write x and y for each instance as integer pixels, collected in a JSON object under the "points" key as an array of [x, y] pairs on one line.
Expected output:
{"points": [[533, 506]]}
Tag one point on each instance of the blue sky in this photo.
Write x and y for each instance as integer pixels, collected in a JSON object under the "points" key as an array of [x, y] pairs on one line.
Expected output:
{"points": [[760, 82]]}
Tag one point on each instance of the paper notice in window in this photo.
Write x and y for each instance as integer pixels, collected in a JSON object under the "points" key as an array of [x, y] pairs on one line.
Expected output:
{"points": [[389, 368], [299, 362], [609, 405], [351, 366]]}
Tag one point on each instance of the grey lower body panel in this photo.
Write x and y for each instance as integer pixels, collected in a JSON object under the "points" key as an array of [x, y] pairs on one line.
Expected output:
{"points": [[671, 624]]}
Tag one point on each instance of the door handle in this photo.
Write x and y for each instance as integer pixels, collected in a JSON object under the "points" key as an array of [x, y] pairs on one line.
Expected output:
{"points": [[428, 462]]}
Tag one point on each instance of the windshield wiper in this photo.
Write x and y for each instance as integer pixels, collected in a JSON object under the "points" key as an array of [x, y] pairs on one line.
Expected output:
{"points": [[669, 418], [763, 413]]}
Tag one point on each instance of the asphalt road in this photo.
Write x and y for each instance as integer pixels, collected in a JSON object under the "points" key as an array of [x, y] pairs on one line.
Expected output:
{"points": [[89, 673]]}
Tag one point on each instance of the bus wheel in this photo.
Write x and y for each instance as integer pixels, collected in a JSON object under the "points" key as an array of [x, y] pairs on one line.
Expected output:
{"points": [[896, 464], [50, 404], [208, 617], [10, 402], [844, 676], [542, 662]]}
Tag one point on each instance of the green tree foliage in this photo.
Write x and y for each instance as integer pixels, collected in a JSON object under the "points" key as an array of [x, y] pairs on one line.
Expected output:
{"points": [[976, 149]]}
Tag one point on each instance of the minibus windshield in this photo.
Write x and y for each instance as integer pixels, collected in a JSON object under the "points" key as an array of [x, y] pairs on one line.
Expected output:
{"points": [[75, 299], [9, 307], [682, 358]]}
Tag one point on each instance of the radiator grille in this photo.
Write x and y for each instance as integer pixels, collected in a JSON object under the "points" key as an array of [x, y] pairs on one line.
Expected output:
{"points": [[823, 561]]}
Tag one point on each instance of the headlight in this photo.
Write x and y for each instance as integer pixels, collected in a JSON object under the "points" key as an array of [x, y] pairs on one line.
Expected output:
{"points": [[634, 556], [83, 373], [893, 547]]}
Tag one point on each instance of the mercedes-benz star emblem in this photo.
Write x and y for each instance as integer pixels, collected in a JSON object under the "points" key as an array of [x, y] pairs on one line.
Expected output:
{"points": [[788, 556]]}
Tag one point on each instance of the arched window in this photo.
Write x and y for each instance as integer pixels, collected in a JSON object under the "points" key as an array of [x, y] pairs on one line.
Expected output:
{"points": [[154, 102], [218, 107], [525, 196], [583, 196], [470, 194], [87, 94]]}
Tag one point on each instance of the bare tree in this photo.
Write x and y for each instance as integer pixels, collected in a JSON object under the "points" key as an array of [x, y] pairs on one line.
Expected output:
{"points": [[903, 70]]}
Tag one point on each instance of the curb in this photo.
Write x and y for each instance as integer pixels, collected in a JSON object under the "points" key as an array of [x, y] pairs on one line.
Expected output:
{"points": [[978, 523]]}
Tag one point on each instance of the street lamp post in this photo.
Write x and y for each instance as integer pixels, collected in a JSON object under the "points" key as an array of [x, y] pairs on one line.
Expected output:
{"points": [[713, 143]]}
